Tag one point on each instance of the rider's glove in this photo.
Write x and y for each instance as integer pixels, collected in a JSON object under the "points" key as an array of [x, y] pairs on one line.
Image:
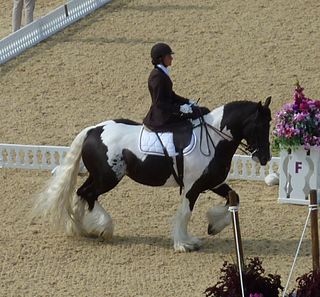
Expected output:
{"points": [[186, 108], [193, 103]]}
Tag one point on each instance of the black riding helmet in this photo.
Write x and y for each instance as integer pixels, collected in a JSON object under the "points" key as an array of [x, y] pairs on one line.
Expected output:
{"points": [[158, 51]]}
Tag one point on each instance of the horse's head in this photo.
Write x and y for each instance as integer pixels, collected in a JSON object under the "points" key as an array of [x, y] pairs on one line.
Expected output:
{"points": [[256, 133]]}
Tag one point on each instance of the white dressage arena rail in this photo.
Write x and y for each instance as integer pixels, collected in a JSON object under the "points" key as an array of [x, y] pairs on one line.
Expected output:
{"points": [[40, 29], [42, 157], [39, 157]]}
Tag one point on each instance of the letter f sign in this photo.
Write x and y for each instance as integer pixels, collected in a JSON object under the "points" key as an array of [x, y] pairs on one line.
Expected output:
{"points": [[298, 166]]}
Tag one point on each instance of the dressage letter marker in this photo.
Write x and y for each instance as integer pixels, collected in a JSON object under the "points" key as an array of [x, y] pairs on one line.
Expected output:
{"points": [[298, 166], [299, 173]]}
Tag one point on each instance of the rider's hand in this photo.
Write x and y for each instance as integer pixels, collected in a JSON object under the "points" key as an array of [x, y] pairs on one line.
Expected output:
{"points": [[193, 103], [186, 108]]}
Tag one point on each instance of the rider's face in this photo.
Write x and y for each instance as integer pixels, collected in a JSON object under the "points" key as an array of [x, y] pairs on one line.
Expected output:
{"points": [[167, 60]]}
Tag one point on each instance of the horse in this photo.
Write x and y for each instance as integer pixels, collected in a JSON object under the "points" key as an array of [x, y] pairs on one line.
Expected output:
{"points": [[110, 151]]}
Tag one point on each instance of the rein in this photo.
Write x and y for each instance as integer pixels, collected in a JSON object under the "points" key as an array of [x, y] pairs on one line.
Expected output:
{"points": [[245, 148]]}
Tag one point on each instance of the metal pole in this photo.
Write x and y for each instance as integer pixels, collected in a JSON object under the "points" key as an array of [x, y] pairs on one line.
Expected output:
{"points": [[233, 202], [314, 230]]}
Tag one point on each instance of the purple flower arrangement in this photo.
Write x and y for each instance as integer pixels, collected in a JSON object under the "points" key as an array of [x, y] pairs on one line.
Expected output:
{"points": [[259, 284], [298, 123], [256, 282]]}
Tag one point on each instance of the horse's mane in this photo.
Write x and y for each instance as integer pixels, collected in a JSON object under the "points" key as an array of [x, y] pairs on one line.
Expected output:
{"points": [[249, 105], [127, 122], [241, 102]]}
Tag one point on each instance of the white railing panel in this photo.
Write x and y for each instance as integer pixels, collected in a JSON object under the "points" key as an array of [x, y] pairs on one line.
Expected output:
{"points": [[31, 156], [40, 29], [49, 157], [243, 167]]}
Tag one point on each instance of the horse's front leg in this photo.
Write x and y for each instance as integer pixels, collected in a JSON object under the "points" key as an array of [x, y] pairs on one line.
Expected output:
{"points": [[219, 217], [183, 242]]}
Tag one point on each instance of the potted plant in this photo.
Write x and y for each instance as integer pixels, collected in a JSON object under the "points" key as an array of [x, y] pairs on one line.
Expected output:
{"points": [[297, 136], [308, 285], [298, 123], [256, 282]]}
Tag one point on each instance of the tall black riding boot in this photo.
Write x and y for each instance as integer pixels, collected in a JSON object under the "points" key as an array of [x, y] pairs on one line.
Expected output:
{"points": [[179, 161]]}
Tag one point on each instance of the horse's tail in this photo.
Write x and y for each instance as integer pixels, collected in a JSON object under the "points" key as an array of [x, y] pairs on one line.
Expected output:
{"points": [[56, 201]]}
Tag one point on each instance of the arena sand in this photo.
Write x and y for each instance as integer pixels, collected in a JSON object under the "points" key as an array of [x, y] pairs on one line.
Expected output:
{"points": [[97, 69]]}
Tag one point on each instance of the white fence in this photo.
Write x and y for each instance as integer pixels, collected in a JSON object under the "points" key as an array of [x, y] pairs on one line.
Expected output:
{"points": [[31, 156], [42, 28], [48, 157], [243, 167]]}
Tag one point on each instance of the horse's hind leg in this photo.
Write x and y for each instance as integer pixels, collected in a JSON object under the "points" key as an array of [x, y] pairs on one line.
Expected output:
{"points": [[84, 188], [105, 169], [94, 187], [93, 221]]}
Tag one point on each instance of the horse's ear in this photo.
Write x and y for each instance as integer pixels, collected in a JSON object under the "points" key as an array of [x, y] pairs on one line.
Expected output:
{"points": [[268, 101], [259, 106]]}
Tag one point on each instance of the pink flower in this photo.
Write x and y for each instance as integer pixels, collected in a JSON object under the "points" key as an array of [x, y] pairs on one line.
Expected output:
{"points": [[298, 123], [299, 116], [286, 107], [304, 106], [256, 295]]}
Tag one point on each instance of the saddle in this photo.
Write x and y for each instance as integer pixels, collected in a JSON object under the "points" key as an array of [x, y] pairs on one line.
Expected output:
{"points": [[178, 142], [152, 143]]}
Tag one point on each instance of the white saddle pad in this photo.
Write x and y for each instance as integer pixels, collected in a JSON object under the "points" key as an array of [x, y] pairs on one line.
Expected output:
{"points": [[150, 144]]}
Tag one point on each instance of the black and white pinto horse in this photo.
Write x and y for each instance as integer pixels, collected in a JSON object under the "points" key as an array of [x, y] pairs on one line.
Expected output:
{"points": [[110, 151]]}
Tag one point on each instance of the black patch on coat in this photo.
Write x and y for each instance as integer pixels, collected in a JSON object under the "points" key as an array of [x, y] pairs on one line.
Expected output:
{"points": [[215, 173], [101, 176], [236, 114], [222, 190], [127, 122], [153, 171]]}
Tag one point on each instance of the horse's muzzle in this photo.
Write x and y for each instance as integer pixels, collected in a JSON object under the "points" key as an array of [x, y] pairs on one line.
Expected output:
{"points": [[262, 160]]}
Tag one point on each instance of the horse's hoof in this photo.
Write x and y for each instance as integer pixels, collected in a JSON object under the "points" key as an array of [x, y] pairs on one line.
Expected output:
{"points": [[211, 230], [186, 248], [182, 249]]}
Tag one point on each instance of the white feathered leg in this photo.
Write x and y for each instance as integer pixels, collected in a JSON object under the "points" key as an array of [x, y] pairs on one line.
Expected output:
{"points": [[95, 223], [98, 223], [182, 241], [218, 217]]}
